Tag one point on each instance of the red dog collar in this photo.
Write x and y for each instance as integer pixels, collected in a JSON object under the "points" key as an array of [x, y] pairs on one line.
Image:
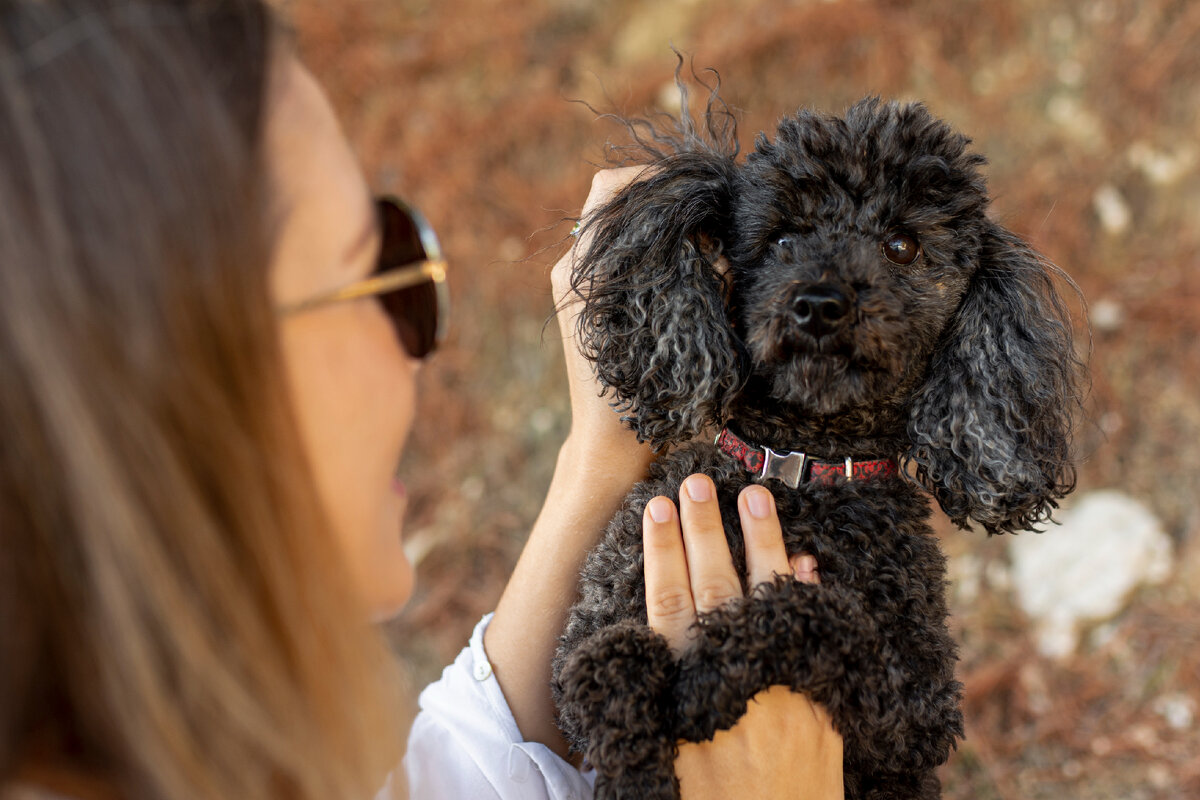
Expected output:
{"points": [[795, 468]]}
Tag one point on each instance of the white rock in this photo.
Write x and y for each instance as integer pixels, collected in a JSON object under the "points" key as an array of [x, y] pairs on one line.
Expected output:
{"points": [[1178, 709], [1106, 315], [1162, 167], [965, 573], [1112, 209], [1085, 569], [1076, 121], [668, 98], [998, 575]]}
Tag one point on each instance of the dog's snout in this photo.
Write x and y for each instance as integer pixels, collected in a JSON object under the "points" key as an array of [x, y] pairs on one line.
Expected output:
{"points": [[821, 309]]}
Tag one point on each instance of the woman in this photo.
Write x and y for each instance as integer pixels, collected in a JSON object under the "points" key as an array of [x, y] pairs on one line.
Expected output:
{"points": [[197, 506]]}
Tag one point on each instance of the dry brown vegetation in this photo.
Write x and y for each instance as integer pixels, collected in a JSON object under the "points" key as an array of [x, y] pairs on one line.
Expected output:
{"points": [[1087, 111]]}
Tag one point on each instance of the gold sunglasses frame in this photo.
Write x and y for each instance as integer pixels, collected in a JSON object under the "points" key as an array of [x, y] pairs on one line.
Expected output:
{"points": [[400, 277]]}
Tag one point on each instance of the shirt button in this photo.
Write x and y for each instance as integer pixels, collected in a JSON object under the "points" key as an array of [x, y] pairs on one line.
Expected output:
{"points": [[483, 670]]}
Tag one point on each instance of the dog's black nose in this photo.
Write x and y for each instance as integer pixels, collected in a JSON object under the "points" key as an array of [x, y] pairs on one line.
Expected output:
{"points": [[820, 309]]}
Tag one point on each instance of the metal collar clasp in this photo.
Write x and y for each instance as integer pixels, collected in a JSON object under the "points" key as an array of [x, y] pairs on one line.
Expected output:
{"points": [[786, 467]]}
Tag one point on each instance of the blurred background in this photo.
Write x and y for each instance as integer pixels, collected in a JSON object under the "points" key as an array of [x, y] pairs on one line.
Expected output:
{"points": [[1087, 112]]}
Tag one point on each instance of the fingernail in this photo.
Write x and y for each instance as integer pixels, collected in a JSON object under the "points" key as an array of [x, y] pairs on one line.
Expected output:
{"points": [[660, 509], [698, 489], [758, 501]]}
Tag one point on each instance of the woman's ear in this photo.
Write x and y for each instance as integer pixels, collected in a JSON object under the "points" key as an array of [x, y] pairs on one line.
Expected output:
{"points": [[991, 428], [654, 320]]}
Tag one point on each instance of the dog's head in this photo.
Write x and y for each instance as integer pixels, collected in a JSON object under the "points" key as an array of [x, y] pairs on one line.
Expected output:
{"points": [[856, 239], [846, 269]]}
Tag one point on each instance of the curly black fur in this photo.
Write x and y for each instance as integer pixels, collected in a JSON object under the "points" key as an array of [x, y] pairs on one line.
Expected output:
{"points": [[699, 285]]}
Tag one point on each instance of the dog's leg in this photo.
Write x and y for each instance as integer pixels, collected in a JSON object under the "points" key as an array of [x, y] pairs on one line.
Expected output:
{"points": [[787, 633], [613, 686]]}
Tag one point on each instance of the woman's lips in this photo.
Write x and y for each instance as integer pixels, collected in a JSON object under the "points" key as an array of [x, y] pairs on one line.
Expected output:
{"points": [[398, 487]]}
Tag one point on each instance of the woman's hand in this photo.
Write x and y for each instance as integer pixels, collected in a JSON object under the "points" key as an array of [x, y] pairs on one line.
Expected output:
{"points": [[785, 745], [597, 465], [595, 428]]}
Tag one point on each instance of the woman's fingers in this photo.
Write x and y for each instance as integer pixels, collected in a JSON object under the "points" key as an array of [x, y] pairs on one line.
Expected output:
{"points": [[713, 579], [670, 610], [605, 185], [688, 568], [596, 431], [804, 568], [765, 554]]}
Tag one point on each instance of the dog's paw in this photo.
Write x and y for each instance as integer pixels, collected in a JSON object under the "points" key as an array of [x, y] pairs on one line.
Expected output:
{"points": [[613, 688], [807, 637]]}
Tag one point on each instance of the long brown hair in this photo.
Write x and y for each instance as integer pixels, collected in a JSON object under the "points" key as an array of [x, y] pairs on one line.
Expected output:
{"points": [[173, 609]]}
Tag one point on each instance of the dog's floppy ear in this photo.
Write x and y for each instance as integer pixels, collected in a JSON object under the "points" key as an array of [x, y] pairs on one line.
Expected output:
{"points": [[654, 322], [991, 428]]}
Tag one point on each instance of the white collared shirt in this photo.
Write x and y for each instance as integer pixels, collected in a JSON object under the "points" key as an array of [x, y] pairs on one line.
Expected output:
{"points": [[465, 743]]}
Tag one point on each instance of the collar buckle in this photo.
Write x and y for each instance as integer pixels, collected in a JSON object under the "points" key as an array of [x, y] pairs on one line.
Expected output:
{"points": [[786, 467]]}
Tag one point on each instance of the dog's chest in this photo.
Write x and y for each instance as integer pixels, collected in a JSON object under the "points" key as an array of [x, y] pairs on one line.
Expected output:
{"points": [[857, 530], [853, 531]]}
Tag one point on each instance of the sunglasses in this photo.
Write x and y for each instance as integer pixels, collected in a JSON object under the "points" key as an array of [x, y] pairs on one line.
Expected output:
{"points": [[409, 279]]}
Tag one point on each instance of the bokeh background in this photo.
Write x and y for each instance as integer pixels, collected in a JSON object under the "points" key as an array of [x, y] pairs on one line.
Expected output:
{"points": [[1087, 112]]}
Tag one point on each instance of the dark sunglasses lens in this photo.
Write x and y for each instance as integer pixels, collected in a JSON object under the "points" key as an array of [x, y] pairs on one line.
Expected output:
{"points": [[401, 236], [413, 309], [414, 314]]}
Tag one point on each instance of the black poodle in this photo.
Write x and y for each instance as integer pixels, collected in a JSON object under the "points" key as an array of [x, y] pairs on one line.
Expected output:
{"points": [[842, 310]]}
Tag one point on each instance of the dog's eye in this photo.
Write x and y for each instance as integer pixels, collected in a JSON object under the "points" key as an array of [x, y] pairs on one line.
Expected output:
{"points": [[784, 241], [901, 248]]}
